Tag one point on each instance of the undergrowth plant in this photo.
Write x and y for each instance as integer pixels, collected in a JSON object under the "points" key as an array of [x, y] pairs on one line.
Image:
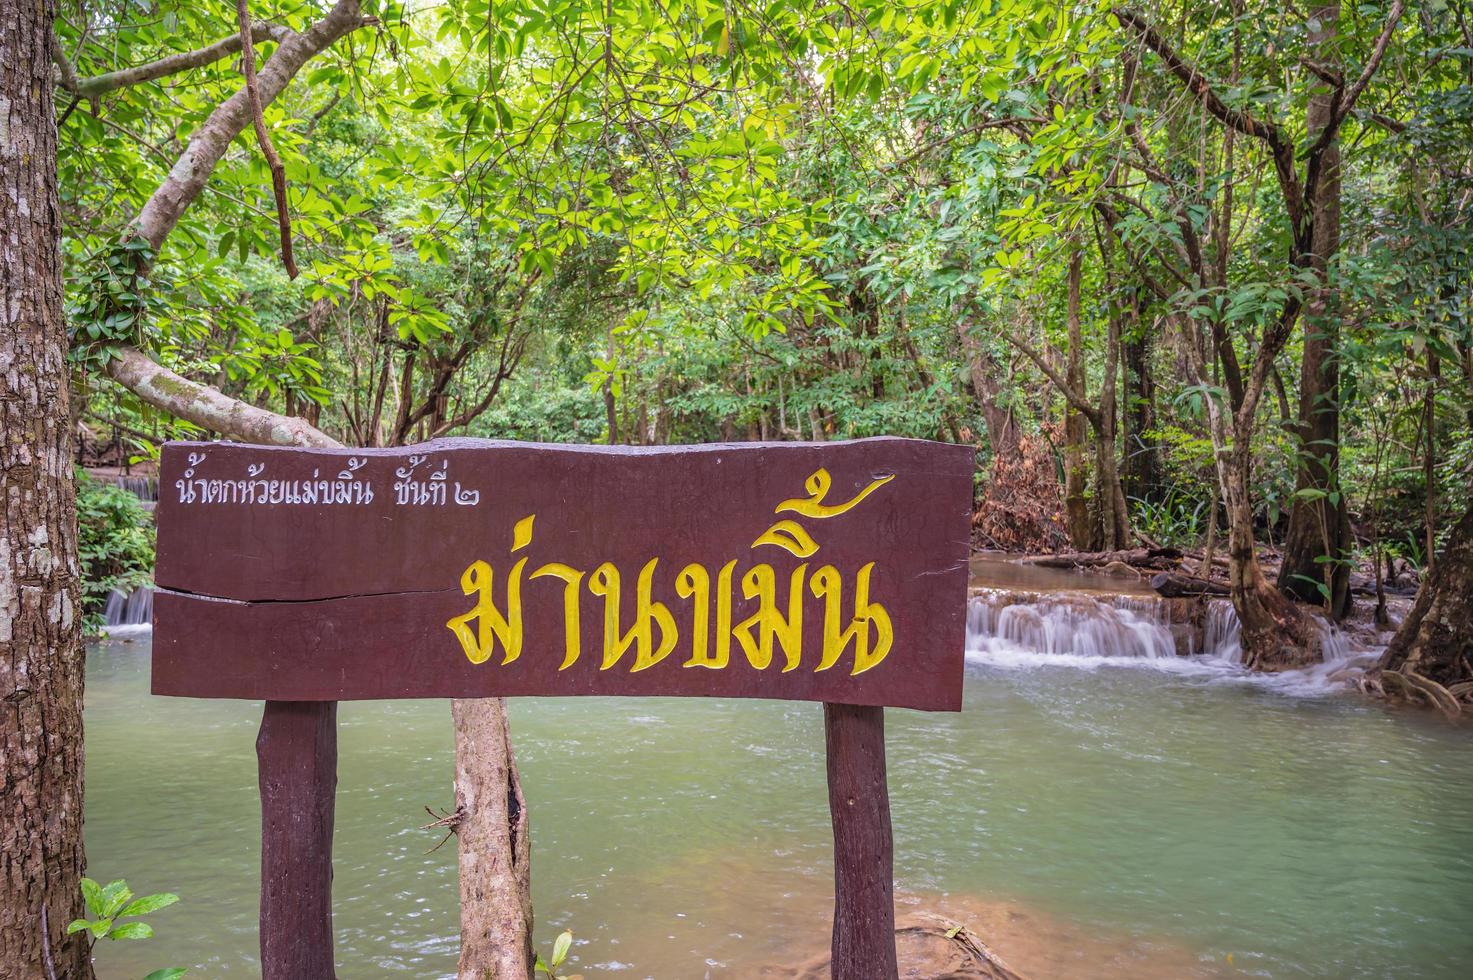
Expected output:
{"points": [[1175, 521], [107, 904]]}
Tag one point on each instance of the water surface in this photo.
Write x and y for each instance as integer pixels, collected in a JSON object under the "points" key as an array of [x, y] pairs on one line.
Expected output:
{"points": [[1088, 822]]}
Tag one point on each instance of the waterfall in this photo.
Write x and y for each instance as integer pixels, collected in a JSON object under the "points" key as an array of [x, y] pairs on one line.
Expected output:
{"points": [[133, 608], [145, 488], [1016, 628], [1070, 625]]}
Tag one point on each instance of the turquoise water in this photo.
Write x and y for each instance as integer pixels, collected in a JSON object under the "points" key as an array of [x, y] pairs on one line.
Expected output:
{"points": [[1170, 819]]}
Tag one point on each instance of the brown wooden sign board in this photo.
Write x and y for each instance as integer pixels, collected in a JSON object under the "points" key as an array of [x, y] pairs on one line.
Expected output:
{"points": [[821, 572], [831, 572]]}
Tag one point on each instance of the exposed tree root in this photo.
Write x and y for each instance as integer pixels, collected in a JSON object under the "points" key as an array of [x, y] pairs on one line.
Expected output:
{"points": [[1408, 685]]}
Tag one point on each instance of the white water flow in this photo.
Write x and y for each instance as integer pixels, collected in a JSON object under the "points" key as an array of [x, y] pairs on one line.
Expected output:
{"points": [[129, 609], [1026, 629]]}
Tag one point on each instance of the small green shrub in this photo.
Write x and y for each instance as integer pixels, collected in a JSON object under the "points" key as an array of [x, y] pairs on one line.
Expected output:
{"points": [[106, 904], [115, 541], [560, 949], [1175, 521]]}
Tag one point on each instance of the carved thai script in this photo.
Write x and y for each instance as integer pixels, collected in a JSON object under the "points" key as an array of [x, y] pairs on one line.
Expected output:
{"points": [[256, 491], [852, 622]]}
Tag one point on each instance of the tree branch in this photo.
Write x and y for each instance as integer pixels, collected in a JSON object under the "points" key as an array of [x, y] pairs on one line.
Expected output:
{"points": [[1241, 120], [207, 145], [258, 119], [206, 407], [1074, 398], [96, 85], [1345, 101], [1373, 63], [134, 370], [1017, 125]]}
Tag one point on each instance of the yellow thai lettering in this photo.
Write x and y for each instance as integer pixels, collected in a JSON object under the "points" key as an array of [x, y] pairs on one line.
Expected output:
{"points": [[723, 614], [647, 615], [493, 625], [572, 622], [694, 582], [818, 484], [760, 583], [827, 584], [790, 536]]}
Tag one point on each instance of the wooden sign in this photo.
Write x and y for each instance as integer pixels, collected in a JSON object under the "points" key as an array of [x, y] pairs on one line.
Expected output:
{"points": [[826, 572], [832, 572]]}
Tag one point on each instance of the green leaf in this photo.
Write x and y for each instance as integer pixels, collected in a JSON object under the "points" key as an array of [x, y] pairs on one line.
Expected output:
{"points": [[77, 925], [114, 897], [92, 892], [561, 946], [132, 930], [100, 927], [149, 903], [167, 973]]}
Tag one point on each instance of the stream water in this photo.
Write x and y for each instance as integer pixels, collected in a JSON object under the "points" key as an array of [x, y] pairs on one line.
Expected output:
{"points": [[1177, 819]]}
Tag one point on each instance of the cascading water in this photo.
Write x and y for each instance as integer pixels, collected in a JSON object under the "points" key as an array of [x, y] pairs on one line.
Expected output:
{"points": [[145, 488], [1024, 629], [1069, 625], [126, 609]]}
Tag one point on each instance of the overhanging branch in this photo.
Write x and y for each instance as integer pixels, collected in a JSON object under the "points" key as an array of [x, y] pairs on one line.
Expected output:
{"points": [[97, 85], [208, 408]]}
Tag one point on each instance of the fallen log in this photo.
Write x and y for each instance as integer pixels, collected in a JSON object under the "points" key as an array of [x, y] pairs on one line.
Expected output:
{"points": [[1156, 559], [1174, 585]]}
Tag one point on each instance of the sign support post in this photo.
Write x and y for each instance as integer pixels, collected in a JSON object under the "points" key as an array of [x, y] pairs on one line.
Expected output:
{"points": [[297, 755], [859, 803]]}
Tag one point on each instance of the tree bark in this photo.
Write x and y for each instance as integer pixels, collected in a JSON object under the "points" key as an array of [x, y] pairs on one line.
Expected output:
{"points": [[1319, 529], [1003, 432], [1141, 472], [208, 408], [1077, 518], [41, 858], [1435, 641], [1276, 634], [1114, 512], [495, 846]]}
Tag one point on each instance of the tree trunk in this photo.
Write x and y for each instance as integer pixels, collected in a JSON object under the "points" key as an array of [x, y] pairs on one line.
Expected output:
{"points": [[1077, 516], [40, 613], [1141, 472], [1114, 512], [1434, 646], [1319, 529], [1276, 635], [495, 846], [1003, 432]]}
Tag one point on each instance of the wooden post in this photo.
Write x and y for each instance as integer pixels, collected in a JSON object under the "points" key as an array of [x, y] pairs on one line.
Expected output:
{"points": [[859, 803], [297, 756]]}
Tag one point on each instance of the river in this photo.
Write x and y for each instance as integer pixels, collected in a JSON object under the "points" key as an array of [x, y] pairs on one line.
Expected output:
{"points": [[1089, 815]]}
